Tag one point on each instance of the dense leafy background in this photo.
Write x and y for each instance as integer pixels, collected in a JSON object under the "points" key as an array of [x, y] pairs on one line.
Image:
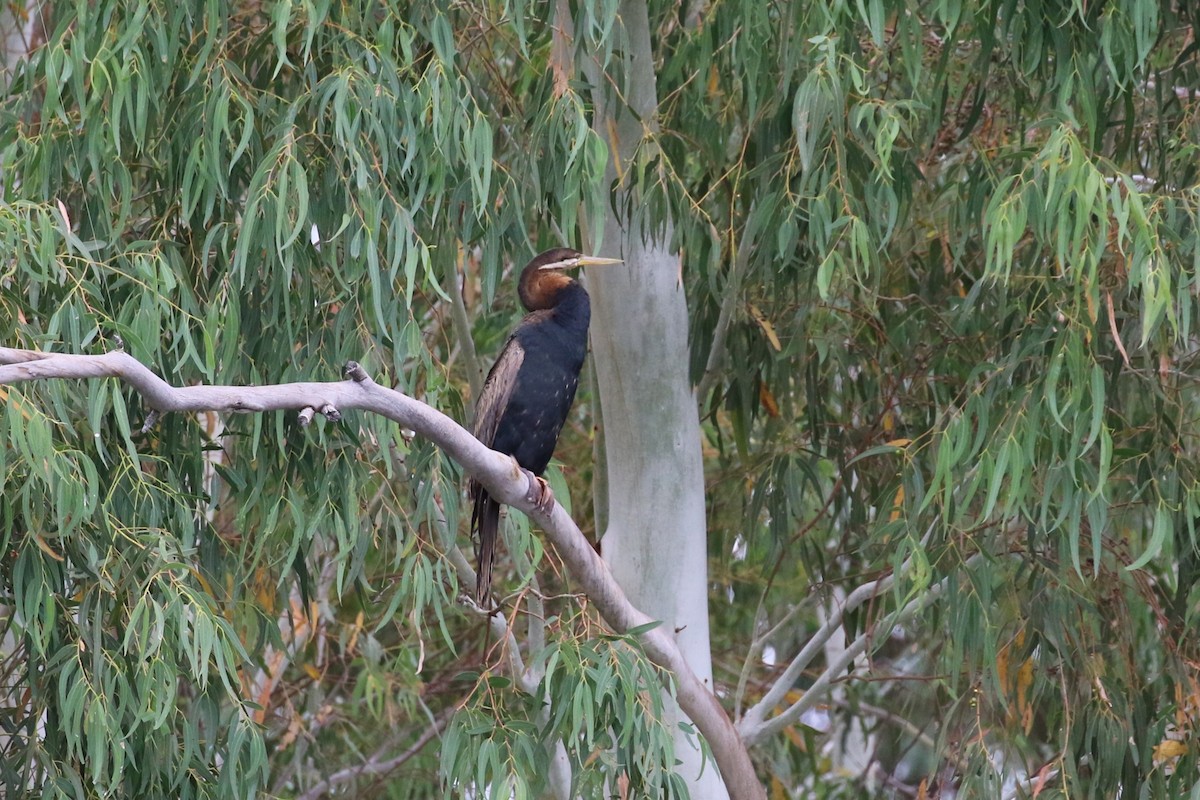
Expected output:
{"points": [[941, 261]]}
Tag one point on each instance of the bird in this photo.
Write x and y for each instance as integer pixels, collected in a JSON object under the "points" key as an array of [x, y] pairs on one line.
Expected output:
{"points": [[529, 390]]}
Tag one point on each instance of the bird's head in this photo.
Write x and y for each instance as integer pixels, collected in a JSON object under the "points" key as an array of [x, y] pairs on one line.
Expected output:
{"points": [[546, 275]]}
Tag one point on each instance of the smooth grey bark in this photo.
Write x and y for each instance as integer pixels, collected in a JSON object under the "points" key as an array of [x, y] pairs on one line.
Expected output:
{"points": [[655, 541], [21, 29]]}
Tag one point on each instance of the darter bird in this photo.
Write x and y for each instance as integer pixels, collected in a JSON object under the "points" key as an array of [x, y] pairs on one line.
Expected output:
{"points": [[529, 391]]}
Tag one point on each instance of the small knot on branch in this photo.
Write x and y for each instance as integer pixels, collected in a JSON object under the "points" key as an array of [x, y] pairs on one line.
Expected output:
{"points": [[354, 371], [328, 410], [151, 421]]}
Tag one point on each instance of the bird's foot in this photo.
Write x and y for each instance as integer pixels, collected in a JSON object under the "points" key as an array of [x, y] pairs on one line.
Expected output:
{"points": [[542, 497]]}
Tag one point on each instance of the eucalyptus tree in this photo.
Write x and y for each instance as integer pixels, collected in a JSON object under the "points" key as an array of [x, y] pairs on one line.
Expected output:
{"points": [[905, 339]]}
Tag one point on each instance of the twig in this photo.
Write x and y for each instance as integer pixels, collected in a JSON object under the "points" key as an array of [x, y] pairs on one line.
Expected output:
{"points": [[379, 763], [733, 292], [462, 331]]}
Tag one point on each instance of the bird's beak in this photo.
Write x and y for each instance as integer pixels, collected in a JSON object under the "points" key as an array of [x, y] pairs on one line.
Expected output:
{"points": [[581, 261], [597, 261]]}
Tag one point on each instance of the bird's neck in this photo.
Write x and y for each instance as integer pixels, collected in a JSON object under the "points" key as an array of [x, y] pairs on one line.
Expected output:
{"points": [[572, 308]]}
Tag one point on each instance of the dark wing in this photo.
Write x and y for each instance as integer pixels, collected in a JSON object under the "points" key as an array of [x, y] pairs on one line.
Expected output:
{"points": [[493, 402], [497, 391]]}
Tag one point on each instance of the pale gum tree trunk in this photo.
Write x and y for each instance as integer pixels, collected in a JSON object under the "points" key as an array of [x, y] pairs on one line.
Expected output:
{"points": [[21, 29], [655, 540]]}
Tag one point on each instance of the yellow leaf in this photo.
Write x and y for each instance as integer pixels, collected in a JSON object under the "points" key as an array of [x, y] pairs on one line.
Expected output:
{"points": [[354, 632], [264, 590], [312, 672], [899, 443], [714, 82], [767, 327], [1024, 681], [204, 584], [767, 399], [1169, 749], [45, 548], [615, 147], [897, 504]]}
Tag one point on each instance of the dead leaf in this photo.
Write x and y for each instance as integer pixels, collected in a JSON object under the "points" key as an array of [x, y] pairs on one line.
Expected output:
{"points": [[62, 209], [897, 504], [767, 327], [767, 399], [1169, 749], [1112, 326], [47, 549], [560, 51]]}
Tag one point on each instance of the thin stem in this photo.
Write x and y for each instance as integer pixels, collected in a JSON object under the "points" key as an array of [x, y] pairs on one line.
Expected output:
{"points": [[462, 330], [379, 762], [733, 293]]}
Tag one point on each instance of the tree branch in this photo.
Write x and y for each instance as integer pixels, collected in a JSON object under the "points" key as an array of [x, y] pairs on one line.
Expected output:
{"points": [[753, 725], [754, 730], [753, 722], [379, 763], [498, 473]]}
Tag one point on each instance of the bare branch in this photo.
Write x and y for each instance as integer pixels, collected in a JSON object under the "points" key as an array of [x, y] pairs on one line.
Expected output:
{"points": [[755, 651], [499, 474], [379, 763], [753, 726], [754, 730], [753, 722]]}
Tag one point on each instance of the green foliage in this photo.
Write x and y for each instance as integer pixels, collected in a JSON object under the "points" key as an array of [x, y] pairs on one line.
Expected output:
{"points": [[964, 325], [956, 249], [607, 713], [170, 597]]}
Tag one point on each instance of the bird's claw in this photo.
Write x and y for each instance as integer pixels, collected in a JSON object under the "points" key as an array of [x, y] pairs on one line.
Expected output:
{"points": [[543, 498]]}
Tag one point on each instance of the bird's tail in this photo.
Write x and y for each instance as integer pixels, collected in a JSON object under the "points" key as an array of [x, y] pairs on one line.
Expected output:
{"points": [[485, 519]]}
